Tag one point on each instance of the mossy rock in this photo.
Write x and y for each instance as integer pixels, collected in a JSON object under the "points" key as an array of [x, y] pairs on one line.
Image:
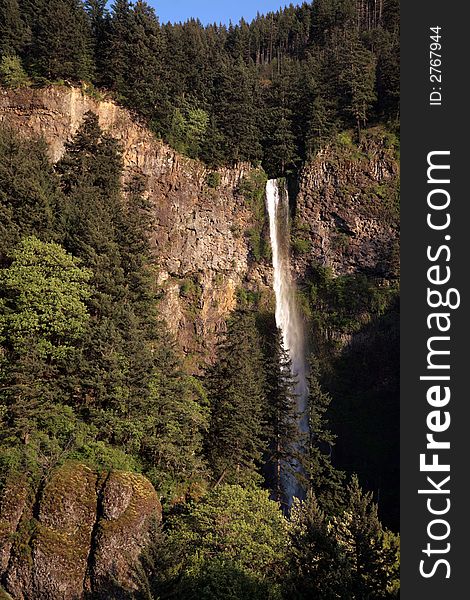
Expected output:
{"points": [[129, 508], [63, 537]]}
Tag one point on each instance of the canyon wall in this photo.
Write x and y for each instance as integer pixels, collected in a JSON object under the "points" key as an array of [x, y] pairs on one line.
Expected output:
{"points": [[199, 228], [346, 211]]}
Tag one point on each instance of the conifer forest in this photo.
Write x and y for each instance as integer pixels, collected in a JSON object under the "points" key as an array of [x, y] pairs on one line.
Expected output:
{"points": [[180, 205]]}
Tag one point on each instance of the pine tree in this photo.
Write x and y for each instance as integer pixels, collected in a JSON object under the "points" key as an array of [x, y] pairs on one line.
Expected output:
{"points": [[372, 560], [231, 544], [62, 45], [282, 419], [356, 79], [235, 112], [134, 60], [98, 18], [319, 567], [321, 477], [128, 381], [279, 144], [235, 387], [29, 192], [14, 32], [344, 556], [90, 174]]}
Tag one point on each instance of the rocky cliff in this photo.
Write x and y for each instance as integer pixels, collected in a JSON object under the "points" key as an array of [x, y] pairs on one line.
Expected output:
{"points": [[347, 207], [346, 210], [80, 532], [200, 219]]}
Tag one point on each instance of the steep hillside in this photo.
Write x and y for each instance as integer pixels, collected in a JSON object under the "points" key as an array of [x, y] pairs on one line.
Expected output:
{"points": [[344, 203], [200, 217]]}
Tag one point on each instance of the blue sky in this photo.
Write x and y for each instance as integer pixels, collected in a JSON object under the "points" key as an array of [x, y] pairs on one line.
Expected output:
{"points": [[209, 11]]}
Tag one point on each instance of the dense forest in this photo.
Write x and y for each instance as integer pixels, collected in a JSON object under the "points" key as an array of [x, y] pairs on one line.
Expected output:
{"points": [[273, 90], [89, 372]]}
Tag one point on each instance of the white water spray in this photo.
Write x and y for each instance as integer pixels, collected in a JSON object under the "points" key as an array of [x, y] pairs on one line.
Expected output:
{"points": [[288, 317]]}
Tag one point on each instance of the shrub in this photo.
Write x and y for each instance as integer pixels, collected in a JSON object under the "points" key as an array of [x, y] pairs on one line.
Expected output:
{"points": [[301, 246], [213, 180], [12, 74]]}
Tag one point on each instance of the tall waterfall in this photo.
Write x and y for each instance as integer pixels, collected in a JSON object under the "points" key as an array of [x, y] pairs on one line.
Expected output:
{"points": [[288, 317]]}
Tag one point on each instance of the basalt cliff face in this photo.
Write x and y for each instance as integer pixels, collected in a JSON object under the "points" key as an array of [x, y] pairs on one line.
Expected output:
{"points": [[347, 208], [201, 250], [344, 217]]}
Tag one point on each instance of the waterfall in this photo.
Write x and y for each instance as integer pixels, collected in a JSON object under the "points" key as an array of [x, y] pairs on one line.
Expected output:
{"points": [[288, 317]]}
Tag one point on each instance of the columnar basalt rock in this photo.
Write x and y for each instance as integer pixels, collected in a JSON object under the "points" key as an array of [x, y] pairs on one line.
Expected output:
{"points": [[347, 208], [199, 233], [77, 533]]}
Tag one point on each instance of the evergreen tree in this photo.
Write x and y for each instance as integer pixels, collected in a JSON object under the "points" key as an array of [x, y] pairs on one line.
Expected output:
{"points": [[235, 112], [356, 79], [12, 74], [321, 477], [62, 46], [361, 535], [319, 567], [280, 144], [134, 67], [98, 18], [14, 32], [282, 419], [128, 382], [346, 556], [29, 194], [235, 387]]}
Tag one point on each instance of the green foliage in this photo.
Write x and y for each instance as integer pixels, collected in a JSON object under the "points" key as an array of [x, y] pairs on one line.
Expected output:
{"points": [[88, 372], [12, 74], [321, 477], [253, 189], [361, 537], [246, 533], [236, 437], [188, 128], [190, 289], [300, 245], [346, 556], [28, 192], [14, 31], [213, 180], [284, 439], [61, 45], [259, 245], [103, 456], [345, 303], [319, 567], [44, 291]]}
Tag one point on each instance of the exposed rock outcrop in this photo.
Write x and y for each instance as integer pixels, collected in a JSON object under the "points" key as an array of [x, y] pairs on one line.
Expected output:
{"points": [[76, 534], [346, 214], [347, 207], [199, 234]]}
